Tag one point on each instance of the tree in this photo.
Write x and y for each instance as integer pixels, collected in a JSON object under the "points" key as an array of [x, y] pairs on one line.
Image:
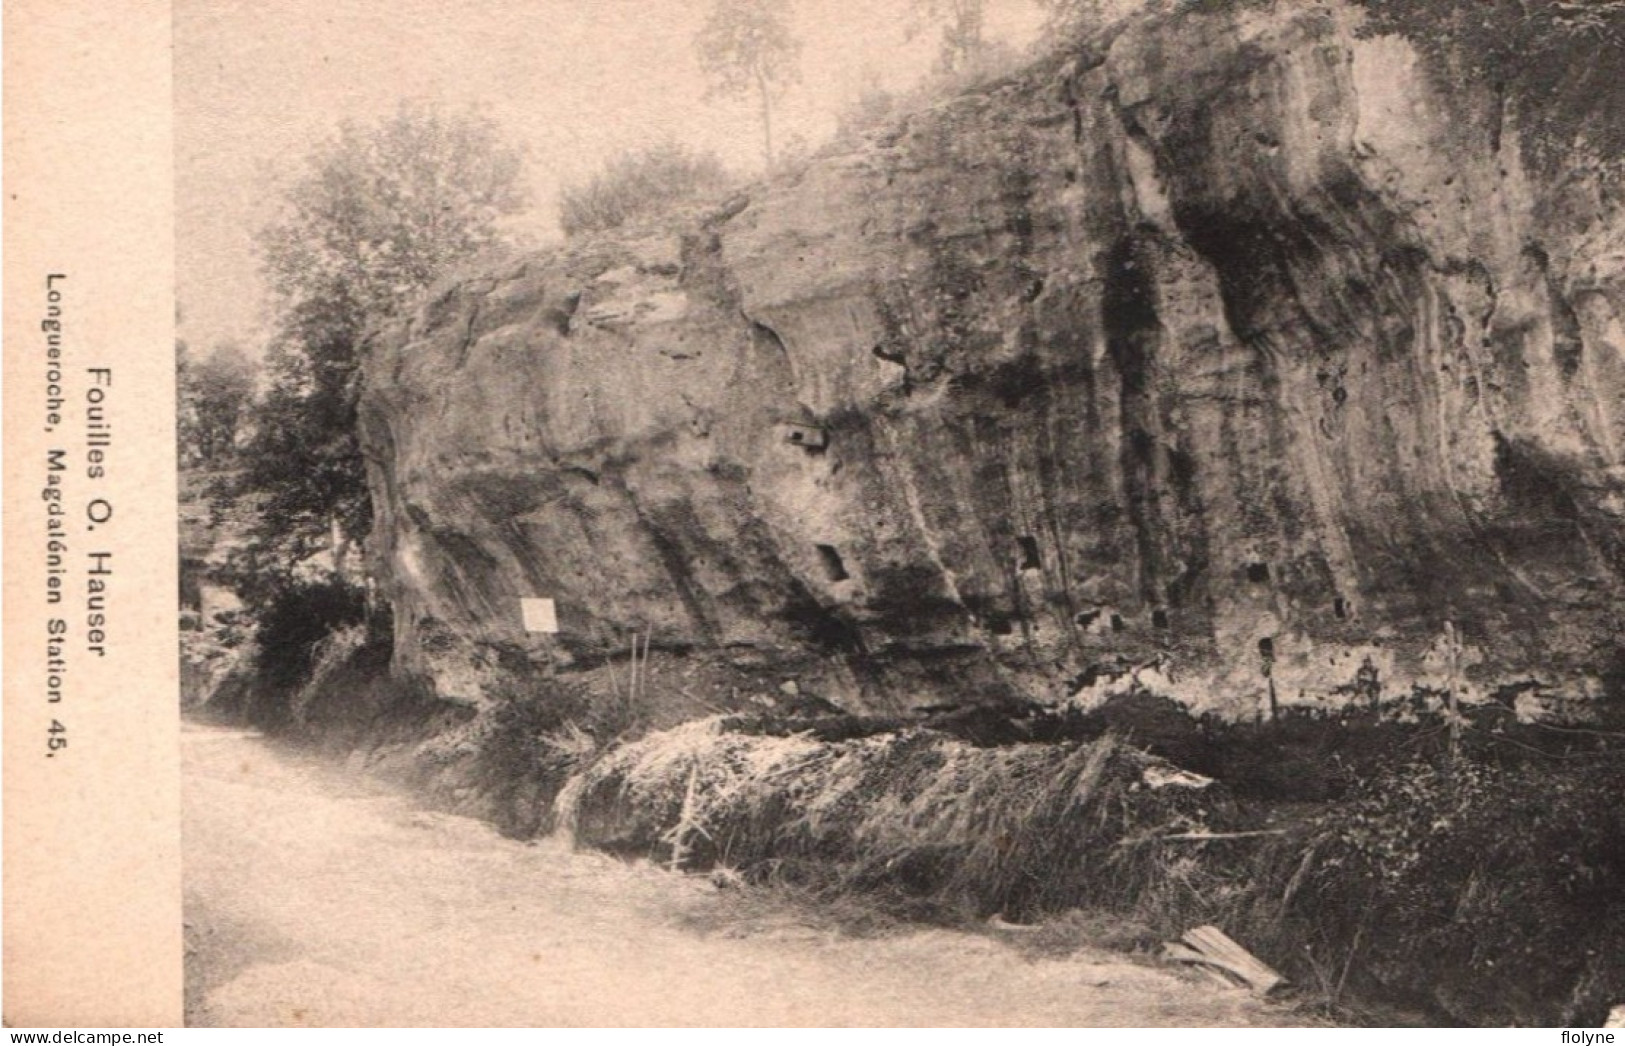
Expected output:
{"points": [[745, 47], [380, 213], [383, 210], [303, 469], [215, 395], [1066, 19], [962, 41]]}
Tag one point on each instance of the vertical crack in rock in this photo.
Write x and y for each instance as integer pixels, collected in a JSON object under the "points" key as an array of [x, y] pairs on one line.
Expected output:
{"points": [[1129, 315], [469, 337]]}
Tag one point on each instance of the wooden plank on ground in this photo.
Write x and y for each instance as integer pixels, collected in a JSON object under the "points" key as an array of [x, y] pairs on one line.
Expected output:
{"points": [[1210, 947], [1180, 953]]}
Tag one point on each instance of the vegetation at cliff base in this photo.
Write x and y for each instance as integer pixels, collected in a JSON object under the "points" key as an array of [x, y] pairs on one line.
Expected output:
{"points": [[1416, 888]]}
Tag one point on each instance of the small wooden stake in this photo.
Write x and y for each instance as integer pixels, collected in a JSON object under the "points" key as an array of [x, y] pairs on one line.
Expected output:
{"points": [[687, 822]]}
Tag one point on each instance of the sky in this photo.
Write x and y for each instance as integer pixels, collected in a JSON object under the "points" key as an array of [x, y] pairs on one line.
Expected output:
{"points": [[576, 82]]}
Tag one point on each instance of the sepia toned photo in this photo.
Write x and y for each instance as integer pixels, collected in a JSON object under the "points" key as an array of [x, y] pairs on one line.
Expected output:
{"points": [[904, 513]]}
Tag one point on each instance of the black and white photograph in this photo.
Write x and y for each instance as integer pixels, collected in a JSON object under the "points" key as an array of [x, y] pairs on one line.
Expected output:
{"points": [[897, 513]]}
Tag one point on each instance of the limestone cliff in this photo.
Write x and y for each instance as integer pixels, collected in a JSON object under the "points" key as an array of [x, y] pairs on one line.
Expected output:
{"points": [[1233, 340]]}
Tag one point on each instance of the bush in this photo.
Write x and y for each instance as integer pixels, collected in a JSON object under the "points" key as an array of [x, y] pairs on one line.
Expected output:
{"points": [[1506, 882], [873, 105], [640, 185], [536, 732], [522, 747], [294, 620]]}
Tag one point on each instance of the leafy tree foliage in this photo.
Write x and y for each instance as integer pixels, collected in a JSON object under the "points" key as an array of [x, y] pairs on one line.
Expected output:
{"points": [[380, 212], [1559, 64], [215, 395], [747, 47], [383, 210], [303, 469], [639, 185]]}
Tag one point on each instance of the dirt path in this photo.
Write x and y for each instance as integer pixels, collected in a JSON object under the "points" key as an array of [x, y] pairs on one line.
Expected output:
{"points": [[319, 898]]}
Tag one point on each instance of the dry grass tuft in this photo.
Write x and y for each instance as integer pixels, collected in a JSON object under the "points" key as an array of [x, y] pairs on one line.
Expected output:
{"points": [[1016, 830]]}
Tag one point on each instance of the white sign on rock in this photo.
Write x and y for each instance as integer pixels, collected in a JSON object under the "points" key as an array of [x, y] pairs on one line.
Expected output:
{"points": [[540, 615]]}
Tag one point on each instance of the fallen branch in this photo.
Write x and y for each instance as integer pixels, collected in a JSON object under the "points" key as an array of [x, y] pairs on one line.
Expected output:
{"points": [[1200, 837], [1203, 836]]}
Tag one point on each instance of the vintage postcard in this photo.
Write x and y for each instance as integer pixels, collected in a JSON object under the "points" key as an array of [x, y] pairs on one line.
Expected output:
{"points": [[901, 513]]}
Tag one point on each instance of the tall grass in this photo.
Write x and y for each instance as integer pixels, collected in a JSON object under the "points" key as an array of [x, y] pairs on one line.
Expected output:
{"points": [[1018, 829]]}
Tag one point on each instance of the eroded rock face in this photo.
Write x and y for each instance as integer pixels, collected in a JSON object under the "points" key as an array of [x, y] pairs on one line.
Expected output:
{"points": [[1236, 344]]}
